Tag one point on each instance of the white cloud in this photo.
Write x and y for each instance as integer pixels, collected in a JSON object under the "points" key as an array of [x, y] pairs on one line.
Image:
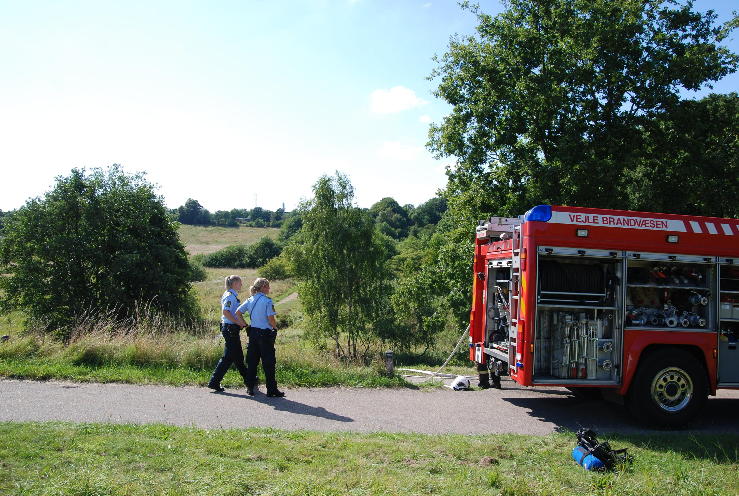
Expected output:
{"points": [[426, 119], [394, 100], [395, 150]]}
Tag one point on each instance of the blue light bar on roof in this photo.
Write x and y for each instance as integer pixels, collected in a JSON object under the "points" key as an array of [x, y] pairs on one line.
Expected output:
{"points": [[542, 213]]}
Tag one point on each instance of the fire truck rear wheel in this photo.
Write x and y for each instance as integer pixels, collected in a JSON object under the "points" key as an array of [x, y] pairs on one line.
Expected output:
{"points": [[669, 388]]}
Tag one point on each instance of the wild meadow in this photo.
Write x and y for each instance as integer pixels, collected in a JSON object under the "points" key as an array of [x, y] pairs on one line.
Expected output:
{"points": [[156, 349]]}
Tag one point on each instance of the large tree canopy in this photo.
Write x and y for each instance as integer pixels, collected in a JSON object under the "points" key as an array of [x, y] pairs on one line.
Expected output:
{"points": [[97, 242], [391, 219], [551, 98], [690, 160]]}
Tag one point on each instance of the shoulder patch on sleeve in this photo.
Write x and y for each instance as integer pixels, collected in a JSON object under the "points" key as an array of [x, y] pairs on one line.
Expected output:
{"points": [[228, 303]]}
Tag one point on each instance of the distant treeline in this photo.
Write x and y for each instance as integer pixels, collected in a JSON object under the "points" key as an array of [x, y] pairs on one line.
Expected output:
{"points": [[193, 213], [392, 219]]}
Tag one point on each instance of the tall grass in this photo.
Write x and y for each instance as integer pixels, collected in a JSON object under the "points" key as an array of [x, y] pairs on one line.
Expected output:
{"points": [[150, 347], [105, 348]]}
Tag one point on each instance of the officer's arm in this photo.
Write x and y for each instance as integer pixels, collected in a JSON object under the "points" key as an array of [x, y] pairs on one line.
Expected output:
{"points": [[272, 321], [239, 319]]}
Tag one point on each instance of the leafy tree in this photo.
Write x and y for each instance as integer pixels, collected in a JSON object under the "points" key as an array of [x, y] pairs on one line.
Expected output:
{"points": [[276, 217], [97, 241], [551, 98], [291, 225], [433, 291], [193, 213], [258, 214], [340, 258], [691, 160], [429, 212], [2, 215], [224, 218], [391, 218]]}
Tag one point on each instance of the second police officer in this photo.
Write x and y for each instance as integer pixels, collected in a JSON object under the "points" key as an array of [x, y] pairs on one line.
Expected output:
{"points": [[262, 334]]}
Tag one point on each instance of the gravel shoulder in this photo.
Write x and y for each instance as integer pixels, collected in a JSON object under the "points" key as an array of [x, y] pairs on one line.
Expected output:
{"points": [[437, 411]]}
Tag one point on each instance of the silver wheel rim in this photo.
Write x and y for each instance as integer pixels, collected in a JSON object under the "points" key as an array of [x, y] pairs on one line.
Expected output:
{"points": [[672, 389]]}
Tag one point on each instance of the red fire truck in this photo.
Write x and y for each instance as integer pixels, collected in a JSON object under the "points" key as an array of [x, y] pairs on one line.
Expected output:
{"points": [[643, 305]]}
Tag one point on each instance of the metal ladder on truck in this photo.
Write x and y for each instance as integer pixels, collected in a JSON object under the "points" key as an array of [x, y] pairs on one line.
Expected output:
{"points": [[514, 358]]}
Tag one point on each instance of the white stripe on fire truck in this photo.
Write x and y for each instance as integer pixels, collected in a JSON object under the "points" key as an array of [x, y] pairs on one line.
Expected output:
{"points": [[696, 227], [727, 229], [711, 228]]}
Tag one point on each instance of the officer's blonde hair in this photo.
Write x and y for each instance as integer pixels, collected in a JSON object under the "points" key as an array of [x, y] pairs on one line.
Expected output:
{"points": [[230, 280], [259, 284]]}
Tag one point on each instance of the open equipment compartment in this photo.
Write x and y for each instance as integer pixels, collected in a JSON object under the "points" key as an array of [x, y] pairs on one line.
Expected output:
{"points": [[577, 339], [669, 292], [498, 303]]}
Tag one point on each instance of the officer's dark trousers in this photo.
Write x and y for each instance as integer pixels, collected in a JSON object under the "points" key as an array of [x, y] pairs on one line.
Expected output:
{"points": [[261, 346], [232, 354]]}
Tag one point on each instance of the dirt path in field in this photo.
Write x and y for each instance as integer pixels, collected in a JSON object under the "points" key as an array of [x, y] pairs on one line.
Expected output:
{"points": [[510, 410], [288, 298]]}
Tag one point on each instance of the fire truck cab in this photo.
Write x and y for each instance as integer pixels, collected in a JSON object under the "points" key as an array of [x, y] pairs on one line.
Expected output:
{"points": [[643, 304]]}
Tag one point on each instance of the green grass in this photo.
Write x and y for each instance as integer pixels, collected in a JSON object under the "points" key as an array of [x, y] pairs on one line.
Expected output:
{"points": [[103, 459], [207, 239]]}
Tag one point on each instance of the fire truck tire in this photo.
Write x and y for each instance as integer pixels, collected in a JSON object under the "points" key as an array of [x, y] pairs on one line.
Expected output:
{"points": [[669, 388]]}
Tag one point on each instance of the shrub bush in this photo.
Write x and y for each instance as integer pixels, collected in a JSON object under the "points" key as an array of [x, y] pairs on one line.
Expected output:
{"points": [[197, 271], [262, 252], [276, 269], [241, 256], [230, 256]]}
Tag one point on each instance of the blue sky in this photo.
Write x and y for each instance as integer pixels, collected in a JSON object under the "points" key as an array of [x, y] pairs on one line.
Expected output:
{"points": [[233, 103]]}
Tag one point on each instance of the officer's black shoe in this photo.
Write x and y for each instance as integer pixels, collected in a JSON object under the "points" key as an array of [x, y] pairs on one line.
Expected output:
{"points": [[250, 390], [216, 387], [276, 394]]}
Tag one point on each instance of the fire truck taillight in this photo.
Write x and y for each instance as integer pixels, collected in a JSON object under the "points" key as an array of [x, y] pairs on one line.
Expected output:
{"points": [[672, 238], [582, 233]]}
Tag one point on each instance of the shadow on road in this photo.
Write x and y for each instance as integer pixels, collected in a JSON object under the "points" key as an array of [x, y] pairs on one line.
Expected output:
{"points": [[570, 414], [286, 405]]}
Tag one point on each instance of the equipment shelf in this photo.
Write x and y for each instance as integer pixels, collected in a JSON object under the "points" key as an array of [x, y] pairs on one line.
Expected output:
{"points": [[552, 305], [666, 286], [665, 328], [728, 320]]}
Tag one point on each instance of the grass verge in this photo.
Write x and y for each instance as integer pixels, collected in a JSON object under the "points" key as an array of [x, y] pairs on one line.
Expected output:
{"points": [[103, 459], [174, 360]]}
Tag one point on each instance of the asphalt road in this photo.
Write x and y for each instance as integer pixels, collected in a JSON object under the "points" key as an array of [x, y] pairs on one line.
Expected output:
{"points": [[510, 410]]}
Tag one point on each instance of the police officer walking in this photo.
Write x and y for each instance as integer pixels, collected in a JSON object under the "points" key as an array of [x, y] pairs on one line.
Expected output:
{"points": [[262, 334], [231, 324]]}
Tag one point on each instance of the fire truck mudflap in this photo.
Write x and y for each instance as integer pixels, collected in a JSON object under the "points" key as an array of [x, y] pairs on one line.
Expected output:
{"points": [[643, 304]]}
